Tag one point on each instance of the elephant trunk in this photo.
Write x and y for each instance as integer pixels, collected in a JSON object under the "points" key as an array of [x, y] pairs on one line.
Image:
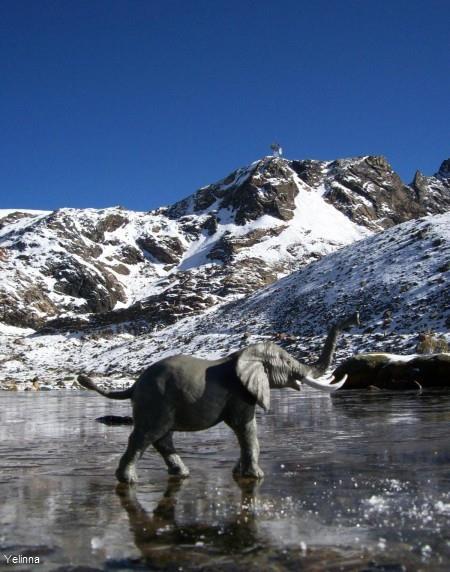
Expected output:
{"points": [[326, 357], [327, 354]]}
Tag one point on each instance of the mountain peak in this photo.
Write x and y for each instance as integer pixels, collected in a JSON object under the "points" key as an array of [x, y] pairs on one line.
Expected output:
{"points": [[444, 170], [265, 187]]}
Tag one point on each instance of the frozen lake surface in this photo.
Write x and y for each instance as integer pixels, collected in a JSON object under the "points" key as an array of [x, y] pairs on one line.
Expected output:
{"points": [[359, 481]]}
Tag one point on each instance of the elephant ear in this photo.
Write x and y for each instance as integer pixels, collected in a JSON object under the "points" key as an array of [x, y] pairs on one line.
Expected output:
{"points": [[252, 373]]}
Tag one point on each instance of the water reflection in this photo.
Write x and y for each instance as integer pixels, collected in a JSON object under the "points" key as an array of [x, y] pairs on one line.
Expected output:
{"points": [[361, 477], [161, 538]]}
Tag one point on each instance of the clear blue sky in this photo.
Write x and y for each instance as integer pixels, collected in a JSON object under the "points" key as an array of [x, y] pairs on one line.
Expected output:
{"points": [[139, 103]]}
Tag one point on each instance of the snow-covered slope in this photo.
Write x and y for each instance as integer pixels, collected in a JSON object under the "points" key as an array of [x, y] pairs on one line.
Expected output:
{"points": [[398, 279]]}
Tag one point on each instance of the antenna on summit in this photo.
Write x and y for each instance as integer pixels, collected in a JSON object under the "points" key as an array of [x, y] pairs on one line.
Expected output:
{"points": [[276, 149]]}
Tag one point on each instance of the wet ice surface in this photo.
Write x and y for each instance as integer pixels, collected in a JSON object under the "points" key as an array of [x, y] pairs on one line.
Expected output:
{"points": [[355, 482]]}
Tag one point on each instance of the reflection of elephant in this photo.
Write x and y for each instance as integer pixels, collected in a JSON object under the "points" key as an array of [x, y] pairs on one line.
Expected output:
{"points": [[158, 535], [184, 393]]}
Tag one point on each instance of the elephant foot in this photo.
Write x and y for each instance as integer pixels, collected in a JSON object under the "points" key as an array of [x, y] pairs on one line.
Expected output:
{"points": [[181, 472], [176, 467], [249, 473], [127, 476], [254, 473]]}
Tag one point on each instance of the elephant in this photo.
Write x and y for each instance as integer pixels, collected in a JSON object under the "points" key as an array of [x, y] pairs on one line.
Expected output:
{"points": [[187, 393], [387, 371]]}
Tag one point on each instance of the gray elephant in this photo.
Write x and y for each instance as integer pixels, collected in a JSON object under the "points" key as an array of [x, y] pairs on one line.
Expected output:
{"points": [[185, 393], [386, 371]]}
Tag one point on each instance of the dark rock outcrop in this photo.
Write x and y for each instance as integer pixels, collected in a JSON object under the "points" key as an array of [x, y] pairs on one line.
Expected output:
{"points": [[272, 193], [228, 245], [433, 193], [101, 289], [14, 308], [130, 254], [167, 249], [444, 172], [265, 188]]}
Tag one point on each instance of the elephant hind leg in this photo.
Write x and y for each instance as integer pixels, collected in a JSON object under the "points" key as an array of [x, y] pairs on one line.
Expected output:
{"points": [[126, 471], [166, 449], [140, 438]]}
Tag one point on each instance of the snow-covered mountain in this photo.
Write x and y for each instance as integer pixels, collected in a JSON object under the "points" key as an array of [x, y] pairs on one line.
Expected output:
{"points": [[398, 279], [72, 269]]}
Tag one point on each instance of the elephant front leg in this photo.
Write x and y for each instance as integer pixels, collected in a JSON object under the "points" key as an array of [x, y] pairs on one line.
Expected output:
{"points": [[237, 469], [166, 449], [247, 465]]}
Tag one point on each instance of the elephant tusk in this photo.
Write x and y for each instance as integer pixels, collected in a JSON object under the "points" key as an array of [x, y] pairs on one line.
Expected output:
{"points": [[325, 384], [325, 379]]}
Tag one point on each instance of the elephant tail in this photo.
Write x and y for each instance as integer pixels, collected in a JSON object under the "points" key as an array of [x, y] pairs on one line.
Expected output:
{"points": [[87, 382]]}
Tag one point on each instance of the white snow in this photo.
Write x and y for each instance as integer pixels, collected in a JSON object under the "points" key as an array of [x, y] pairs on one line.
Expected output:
{"points": [[7, 330]]}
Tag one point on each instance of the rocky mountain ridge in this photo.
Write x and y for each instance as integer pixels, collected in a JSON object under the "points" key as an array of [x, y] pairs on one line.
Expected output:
{"points": [[73, 269]]}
